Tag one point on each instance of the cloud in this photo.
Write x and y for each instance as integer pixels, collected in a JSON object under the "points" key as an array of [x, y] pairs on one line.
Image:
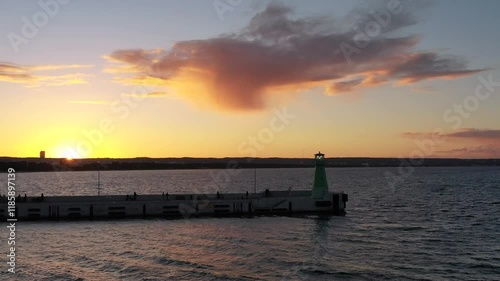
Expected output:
{"points": [[148, 95], [466, 133], [476, 134], [423, 134], [60, 80], [57, 67], [90, 102], [25, 75], [421, 66], [137, 60], [343, 86], [474, 142], [14, 74], [485, 150], [157, 94], [277, 52]]}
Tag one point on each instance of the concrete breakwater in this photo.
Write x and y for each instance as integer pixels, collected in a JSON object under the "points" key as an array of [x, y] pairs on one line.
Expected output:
{"points": [[175, 205], [319, 200]]}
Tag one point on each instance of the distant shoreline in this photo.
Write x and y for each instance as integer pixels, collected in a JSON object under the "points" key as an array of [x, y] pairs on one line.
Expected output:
{"points": [[111, 164]]}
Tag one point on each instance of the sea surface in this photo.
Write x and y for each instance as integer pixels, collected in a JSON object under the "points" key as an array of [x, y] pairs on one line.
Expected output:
{"points": [[421, 224]]}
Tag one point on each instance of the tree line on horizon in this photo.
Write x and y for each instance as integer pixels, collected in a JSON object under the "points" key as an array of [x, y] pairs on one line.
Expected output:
{"points": [[60, 165]]}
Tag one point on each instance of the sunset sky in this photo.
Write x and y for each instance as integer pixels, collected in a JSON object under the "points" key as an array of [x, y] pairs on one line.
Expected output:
{"points": [[221, 78]]}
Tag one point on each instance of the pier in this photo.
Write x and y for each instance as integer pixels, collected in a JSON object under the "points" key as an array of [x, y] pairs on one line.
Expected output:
{"points": [[178, 206], [319, 200]]}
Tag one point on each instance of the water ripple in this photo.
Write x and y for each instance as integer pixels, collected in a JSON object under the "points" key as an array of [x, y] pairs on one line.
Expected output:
{"points": [[439, 224]]}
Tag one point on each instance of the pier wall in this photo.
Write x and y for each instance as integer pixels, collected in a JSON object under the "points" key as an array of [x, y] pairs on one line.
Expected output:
{"points": [[176, 205]]}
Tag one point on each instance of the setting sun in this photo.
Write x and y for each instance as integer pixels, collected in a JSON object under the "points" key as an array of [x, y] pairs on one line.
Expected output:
{"points": [[64, 151]]}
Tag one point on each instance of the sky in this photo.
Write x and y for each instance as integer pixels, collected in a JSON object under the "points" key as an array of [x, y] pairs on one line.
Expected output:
{"points": [[230, 78]]}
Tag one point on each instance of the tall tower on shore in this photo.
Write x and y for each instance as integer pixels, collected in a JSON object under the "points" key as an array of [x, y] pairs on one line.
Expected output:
{"points": [[320, 188], [42, 154]]}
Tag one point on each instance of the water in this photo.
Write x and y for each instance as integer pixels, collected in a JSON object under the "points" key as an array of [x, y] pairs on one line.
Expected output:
{"points": [[438, 224]]}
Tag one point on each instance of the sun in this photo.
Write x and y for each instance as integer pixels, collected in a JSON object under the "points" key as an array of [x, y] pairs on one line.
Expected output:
{"points": [[66, 152], [70, 155]]}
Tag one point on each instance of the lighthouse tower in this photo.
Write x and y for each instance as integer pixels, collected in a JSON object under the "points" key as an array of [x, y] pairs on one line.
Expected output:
{"points": [[320, 188]]}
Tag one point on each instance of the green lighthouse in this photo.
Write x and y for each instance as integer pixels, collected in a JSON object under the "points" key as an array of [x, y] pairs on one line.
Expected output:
{"points": [[320, 188]]}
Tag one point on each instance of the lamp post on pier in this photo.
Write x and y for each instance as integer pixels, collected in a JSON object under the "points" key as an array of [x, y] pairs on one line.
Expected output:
{"points": [[98, 178]]}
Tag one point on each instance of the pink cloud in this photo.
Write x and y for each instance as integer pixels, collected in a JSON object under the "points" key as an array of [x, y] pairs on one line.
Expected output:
{"points": [[486, 151], [27, 75], [476, 134], [277, 51]]}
